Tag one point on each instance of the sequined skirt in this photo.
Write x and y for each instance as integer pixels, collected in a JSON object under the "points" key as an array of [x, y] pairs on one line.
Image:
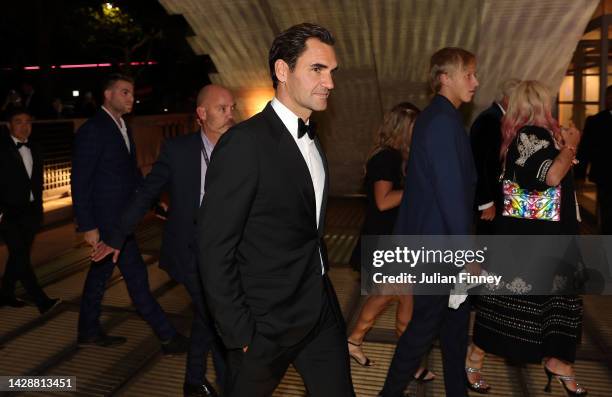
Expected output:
{"points": [[525, 329]]}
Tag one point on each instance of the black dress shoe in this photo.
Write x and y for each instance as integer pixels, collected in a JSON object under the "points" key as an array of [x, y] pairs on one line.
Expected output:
{"points": [[102, 340], [11, 301], [48, 306], [179, 344], [205, 389]]}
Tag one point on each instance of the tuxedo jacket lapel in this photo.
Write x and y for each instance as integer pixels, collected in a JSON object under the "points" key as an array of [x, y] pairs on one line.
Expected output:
{"points": [[19, 160], [37, 163], [195, 162], [325, 187], [292, 160]]}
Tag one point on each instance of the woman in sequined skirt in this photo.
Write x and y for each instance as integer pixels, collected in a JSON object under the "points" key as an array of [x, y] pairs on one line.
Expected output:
{"points": [[537, 155]]}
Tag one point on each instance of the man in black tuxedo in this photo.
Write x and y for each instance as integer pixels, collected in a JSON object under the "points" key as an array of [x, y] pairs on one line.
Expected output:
{"points": [[260, 231], [486, 138], [595, 149], [181, 170], [21, 185], [438, 200], [104, 177]]}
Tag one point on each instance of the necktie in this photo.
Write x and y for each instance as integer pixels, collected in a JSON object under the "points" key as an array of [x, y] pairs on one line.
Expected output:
{"points": [[306, 129], [20, 144]]}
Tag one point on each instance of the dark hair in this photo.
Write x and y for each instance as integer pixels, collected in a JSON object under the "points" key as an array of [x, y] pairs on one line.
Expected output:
{"points": [[291, 43], [111, 79], [16, 111]]}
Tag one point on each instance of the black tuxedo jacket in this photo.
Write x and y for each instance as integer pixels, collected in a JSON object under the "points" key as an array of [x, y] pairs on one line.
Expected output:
{"points": [[177, 171], [258, 237], [595, 148], [15, 184], [485, 135]]}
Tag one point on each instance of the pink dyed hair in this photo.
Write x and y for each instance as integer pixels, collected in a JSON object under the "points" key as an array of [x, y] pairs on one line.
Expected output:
{"points": [[529, 104]]}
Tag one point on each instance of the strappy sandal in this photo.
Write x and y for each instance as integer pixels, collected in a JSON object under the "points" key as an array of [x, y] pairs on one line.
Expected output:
{"points": [[480, 386], [425, 376], [367, 362], [579, 392]]}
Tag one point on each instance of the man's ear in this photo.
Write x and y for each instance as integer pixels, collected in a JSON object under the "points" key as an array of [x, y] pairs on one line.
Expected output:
{"points": [[281, 69], [201, 112], [107, 95], [444, 79]]}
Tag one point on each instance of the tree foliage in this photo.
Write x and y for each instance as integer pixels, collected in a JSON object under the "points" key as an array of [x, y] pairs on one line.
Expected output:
{"points": [[108, 29]]}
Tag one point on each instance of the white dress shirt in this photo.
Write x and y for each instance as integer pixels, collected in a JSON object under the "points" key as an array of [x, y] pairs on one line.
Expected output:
{"points": [[122, 127], [28, 162], [309, 153]]}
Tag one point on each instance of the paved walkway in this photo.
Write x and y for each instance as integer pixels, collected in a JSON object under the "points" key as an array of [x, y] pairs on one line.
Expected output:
{"points": [[31, 345]]}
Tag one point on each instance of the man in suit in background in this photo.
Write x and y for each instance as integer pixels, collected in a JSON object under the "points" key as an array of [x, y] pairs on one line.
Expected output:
{"points": [[485, 135], [104, 177], [595, 149], [260, 231], [21, 210], [181, 170], [438, 200]]}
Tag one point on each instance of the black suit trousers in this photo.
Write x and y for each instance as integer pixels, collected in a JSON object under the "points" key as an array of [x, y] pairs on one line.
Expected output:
{"points": [[18, 235], [431, 317], [321, 358], [203, 338]]}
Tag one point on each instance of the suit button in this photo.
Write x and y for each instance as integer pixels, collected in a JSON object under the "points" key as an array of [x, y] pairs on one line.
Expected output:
{"points": [[195, 221]]}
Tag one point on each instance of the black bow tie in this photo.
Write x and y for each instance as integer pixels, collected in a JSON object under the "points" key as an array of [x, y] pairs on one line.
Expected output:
{"points": [[306, 129], [20, 144]]}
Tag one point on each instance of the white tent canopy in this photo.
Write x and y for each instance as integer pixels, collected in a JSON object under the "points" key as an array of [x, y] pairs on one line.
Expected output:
{"points": [[383, 48]]}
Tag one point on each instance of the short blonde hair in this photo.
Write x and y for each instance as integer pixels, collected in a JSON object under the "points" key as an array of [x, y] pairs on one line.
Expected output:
{"points": [[446, 61]]}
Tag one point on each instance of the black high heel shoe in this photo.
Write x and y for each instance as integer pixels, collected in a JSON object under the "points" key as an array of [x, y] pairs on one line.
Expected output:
{"points": [[580, 391], [425, 376], [367, 362]]}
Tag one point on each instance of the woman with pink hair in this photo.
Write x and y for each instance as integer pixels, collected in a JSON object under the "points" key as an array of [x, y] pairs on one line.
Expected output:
{"points": [[537, 157]]}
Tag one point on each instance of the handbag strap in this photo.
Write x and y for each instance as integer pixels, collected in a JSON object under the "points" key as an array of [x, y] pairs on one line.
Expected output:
{"points": [[502, 176]]}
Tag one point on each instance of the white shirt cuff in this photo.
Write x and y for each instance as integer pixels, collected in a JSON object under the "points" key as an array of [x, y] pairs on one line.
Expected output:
{"points": [[485, 206]]}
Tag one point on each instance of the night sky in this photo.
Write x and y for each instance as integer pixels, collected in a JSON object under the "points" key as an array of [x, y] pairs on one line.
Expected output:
{"points": [[68, 32]]}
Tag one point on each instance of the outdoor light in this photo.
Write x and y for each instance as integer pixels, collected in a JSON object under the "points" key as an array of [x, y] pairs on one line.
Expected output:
{"points": [[109, 5], [137, 101], [75, 93], [88, 65], [165, 109]]}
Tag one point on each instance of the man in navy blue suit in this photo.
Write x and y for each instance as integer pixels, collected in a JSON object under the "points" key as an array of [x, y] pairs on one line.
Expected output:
{"points": [[438, 200], [104, 176], [180, 170]]}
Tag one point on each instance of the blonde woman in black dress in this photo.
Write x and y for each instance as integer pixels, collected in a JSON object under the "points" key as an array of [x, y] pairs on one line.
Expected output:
{"points": [[385, 173]]}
